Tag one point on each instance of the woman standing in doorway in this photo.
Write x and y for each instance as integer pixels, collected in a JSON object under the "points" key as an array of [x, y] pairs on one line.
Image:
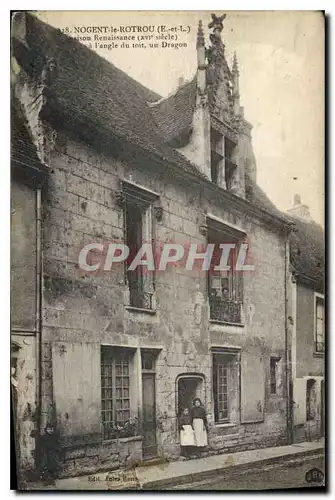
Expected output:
{"points": [[186, 433], [199, 423]]}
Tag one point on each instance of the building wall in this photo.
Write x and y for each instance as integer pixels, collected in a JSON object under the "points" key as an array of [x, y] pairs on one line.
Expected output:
{"points": [[23, 322], [308, 363], [23, 256], [80, 207], [24, 401], [308, 366]]}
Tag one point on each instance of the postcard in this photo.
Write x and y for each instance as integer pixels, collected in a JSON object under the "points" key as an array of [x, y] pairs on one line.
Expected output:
{"points": [[167, 250]]}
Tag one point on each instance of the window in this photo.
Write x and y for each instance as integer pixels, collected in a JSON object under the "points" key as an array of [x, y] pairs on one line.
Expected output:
{"points": [[319, 324], [310, 399], [274, 364], [134, 217], [216, 155], [230, 165], [223, 167], [225, 386], [115, 387], [225, 288], [138, 230], [148, 360], [222, 391]]}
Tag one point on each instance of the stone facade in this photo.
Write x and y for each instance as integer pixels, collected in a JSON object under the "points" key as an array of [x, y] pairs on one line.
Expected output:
{"points": [[83, 314], [24, 285], [101, 456], [81, 207]]}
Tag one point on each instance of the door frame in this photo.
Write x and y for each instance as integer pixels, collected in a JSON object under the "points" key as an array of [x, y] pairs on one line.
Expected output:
{"points": [[191, 375], [152, 371]]}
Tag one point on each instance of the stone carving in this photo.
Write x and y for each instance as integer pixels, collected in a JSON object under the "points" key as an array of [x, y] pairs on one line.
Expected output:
{"points": [[217, 22], [120, 199], [159, 213]]}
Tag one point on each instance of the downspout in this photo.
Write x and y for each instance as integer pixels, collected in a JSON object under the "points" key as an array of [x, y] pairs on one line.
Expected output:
{"points": [[288, 339], [38, 304]]}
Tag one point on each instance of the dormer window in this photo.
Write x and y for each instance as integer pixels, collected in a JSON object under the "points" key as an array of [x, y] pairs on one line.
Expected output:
{"points": [[216, 155], [223, 167], [230, 165]]}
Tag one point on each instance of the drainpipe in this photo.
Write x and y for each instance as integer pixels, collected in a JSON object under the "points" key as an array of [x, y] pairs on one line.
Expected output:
{"points": [[288, 340], [38, 304]]}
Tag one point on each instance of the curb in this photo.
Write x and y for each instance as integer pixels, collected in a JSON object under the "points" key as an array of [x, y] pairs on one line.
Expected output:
{"points": [[222, 470]]}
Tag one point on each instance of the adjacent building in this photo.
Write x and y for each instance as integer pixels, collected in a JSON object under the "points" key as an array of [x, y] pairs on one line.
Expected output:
{"points": [[115, 355], [308, 324]]}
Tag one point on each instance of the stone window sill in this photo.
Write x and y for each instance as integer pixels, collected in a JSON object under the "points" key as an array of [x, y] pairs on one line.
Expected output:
{"points": [[225, 323], [123, 440], [318, 354], [140, 310], [219, 425]]}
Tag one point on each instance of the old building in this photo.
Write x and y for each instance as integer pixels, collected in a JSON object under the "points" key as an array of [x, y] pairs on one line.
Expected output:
{"points": [[121, 351], [308, 324], [28, 174]]}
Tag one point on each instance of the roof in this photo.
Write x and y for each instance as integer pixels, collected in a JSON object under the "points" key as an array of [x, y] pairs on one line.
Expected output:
{"points": [[89, 93], [255, 194], [174, 114], [307, 250], [84, 85]]}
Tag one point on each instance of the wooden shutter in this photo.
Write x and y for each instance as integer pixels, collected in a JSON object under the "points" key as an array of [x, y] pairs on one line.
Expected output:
{"points": [[299, 398], [77, 387], [252, 386]]}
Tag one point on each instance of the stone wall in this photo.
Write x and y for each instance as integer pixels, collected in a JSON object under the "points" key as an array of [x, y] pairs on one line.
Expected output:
{"points": [[25, 412], [23, 323], [308, 363], [79, 207], [110, 455]]}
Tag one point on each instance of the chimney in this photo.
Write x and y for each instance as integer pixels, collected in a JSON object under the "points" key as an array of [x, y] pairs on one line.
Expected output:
{"points": [[299, 209], [296, 200], [181, 81]]}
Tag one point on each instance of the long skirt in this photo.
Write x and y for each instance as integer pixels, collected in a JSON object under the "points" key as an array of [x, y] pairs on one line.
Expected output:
{"points": [[200, 432], [187, 436]]}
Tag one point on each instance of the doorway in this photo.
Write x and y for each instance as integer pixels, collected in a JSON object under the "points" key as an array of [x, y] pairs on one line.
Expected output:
{"points": [[189, 387]]}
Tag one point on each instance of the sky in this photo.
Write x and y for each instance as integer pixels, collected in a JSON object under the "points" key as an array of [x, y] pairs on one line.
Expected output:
{"points": [[281, 62]]}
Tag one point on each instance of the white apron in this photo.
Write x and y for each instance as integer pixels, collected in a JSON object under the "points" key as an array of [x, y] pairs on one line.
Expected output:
{"points": [[200, 432], [187, 436]]}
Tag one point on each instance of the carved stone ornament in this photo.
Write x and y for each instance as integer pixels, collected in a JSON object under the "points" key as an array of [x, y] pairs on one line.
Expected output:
{"points": [[203, 230], [120, 199], [159, 213]]}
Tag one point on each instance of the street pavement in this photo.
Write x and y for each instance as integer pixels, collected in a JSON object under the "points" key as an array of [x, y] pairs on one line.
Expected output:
{"points": [[291, 474], [274, 467]]}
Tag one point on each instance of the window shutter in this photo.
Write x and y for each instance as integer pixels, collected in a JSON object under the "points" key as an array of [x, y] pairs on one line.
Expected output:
{"points": [[299, 397], [252, 386], [77, 387]]}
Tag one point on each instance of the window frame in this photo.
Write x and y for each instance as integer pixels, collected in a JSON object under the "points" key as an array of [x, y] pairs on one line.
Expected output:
{"points": [[232, 356], [116, 357], [311, 410], [144, 200], [229, 234], [276, 360], [316, 351]]}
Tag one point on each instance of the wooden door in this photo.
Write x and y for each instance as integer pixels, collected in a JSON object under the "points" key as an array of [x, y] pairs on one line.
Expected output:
{"points": [[149, 416]]}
